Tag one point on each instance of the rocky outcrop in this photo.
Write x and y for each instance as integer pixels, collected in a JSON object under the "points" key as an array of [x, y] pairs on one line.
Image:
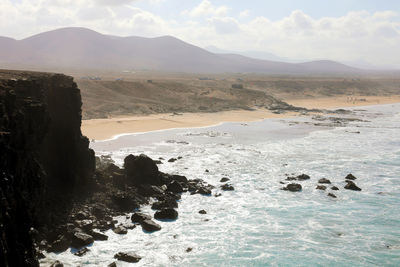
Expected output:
{"points": [[44, 159]]}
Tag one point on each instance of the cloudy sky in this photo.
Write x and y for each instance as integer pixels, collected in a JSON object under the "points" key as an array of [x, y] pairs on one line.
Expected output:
{"points": [[344, 30]]}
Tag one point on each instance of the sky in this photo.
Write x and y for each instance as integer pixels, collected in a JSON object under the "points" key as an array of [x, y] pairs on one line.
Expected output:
{"points": [[343, 30]]}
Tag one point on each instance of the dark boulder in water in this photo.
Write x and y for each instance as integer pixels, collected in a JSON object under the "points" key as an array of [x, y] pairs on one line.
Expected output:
{"points": [[303, 177], [332, 195], [227, 187], [150, 226], [81, 240], [172, 160], [352, 186], [202, 212], [169, 203], [224, 179], [120, 230], [139, 217], [61, 244], [293, 187], [334, 188], [324, 181], [321, 187], [175, 187], [166, 214], [350, 177], [98, 236], [141, 170], [130, 257], [81, 252]]}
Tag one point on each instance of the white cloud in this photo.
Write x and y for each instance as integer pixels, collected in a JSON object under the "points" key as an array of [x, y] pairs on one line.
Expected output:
{"points": [[225, 25], [244, 13], [206, 8]]}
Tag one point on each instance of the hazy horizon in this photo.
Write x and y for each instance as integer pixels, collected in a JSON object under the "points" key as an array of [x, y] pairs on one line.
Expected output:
{"points": [[365, 32]]}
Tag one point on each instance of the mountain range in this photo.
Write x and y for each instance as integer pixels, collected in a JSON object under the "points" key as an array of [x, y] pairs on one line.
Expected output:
{"points": [[81, 48]]}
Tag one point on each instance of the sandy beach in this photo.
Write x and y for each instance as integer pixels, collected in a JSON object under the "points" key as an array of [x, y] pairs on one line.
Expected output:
{"points": [[102, 129]]}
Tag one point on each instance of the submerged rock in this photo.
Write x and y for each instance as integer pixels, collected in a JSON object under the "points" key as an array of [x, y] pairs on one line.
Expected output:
{"points": [[350, 177], [166, 214], [202, 212], [57, 264], [130, 256], [334, 188], [227, 187], [352, 186], [321, 187], [120, 230], [81, 252], [139, 217], [324, 181], [293, 187], [150, 226], [332, 195], [224, 179]]}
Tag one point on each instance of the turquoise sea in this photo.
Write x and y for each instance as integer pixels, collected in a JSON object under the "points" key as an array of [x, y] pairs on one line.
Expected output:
{"points": [[258, 224]]}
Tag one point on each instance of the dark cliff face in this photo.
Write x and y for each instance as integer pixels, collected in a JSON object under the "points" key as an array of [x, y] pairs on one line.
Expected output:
{"points": [[44, 157]]}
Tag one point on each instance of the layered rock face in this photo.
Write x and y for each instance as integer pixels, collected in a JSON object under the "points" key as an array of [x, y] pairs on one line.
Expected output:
{"points": [[44, 158]]}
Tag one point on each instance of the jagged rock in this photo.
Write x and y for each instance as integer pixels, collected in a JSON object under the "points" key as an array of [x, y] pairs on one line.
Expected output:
{"points": [[124, 201], [179, 178], [293, 187], [334, 188], [332, 195], [202, 212], [81, 252], [227, 187], [189, 250], [57, 264], [224, 179], [131, 257], [150, 226], [141, 170], [85, 225], [351, 186], [172, 160], [81, 240], [303, 177], [112, 265], [175, 187], [59, 245], [120, 230], [166, 214], [204, 191], [321, 187], [98, 236], [350, 177], [139, 217], [324, 181]]}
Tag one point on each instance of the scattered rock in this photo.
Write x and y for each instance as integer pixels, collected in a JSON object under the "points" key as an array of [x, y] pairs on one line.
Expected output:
{"points": [[81, 252], [120, 230], [98, 236], [204, 191], [59, 245], [332, 195], [324, 181], [227, 187], [175, 187], [224, 179], [169, 203], [206, 170], [166, 214], [303, 177], [81, 239], [351, 186], [350, 177], [139, 217], [172, 160], [114, 264], [141, 170], [131, 257], [334, 188], [218, 195], [293, 187], [321, 187], [189, 249], [150, 226], [202, 212]]}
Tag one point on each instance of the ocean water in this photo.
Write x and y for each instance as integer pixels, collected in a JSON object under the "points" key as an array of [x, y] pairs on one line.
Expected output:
{"points": [[258, 224]]}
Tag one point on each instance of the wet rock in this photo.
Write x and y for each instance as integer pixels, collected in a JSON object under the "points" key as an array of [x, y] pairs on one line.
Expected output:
{"points": [[114, 264], [158, 162], [293, 187], [85, 225], [81, 240], [130, 257], [175, 187], [98, 236], [206, 170], [227, 187], [321, 187], [218, 195], [139, 217], [120, 230], [172, 160], [350, 177], [81, 252], [141, 170], [150, 226], [334, 188], [204, 191], [166, 214], [124, 201], [332, 195], [324, 181], [189, 250], [303, 177], [170, 203], [202, 212], [57, 264], [224, 179], [59, 245], [351, 186], [179, 178]]}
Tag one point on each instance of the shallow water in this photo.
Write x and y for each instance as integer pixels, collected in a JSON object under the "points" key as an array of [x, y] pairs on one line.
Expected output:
{"points": [[258, 224]]}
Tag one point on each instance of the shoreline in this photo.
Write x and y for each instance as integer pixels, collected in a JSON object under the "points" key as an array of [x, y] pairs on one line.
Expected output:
{"points": [[112, 128]]}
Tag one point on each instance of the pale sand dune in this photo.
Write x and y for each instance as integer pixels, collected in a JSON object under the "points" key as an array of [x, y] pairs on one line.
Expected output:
{"points": [[102, 129]]}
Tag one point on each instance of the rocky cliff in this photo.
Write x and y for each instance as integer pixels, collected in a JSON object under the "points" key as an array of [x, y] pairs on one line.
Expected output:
{"points": [[44, 158]]}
